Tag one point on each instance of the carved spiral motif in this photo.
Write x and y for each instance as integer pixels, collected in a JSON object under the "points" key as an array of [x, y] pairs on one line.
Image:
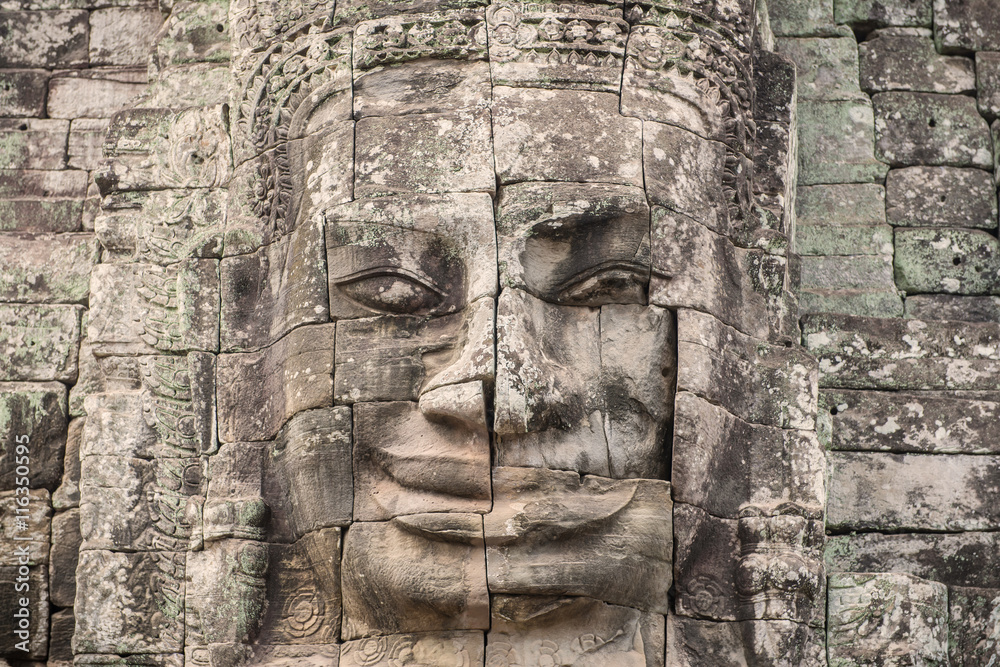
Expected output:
{"points": [[704, 595], [304, 612], [371, 651]]}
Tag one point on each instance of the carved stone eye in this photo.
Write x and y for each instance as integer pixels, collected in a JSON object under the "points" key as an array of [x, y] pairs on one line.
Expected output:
{"points": [[611, 282], [392, 290]]}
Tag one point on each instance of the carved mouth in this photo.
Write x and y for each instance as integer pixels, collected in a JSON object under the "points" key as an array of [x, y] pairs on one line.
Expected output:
{"points": [[462, 470]]}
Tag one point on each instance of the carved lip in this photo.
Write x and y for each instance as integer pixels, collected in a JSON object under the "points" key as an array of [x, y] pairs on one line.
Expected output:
{"points": [[460, 470]]}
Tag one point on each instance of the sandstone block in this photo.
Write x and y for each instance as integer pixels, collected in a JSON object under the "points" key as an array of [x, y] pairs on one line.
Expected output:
{"points": [[44, 38], [428, 86], [612, 543], [869, 353], [840, 240], [120, 609], [135, 660], [327, 166], [956, 261], [309, 481], [794, 18], [32, 535], [223, 596], [178, 394], [541, 135], [86, 140], [840, 204], [825, 67], [988, 84], [41, 201], [909, 422], [583, 45], [942, 492], [836, 143], [67, 495], [953, 307], [277, 288], [38, 610], [290, 655], [763, 383], [63, 557], [195, 32], [95, 95], [888, 618], [930, 129], [62, 624], [33, 415], [190, 85], [22, 92], [40, 343], [122, 35], [721, 463], [957, 559], [572, 631], [260, 391], [883, 13], [381, 560], [775, 94], [442, 34], [47, 268], [694, 642], [972, 614], [706, 561], [33, 143], [865, 272], [966, 26], [892, 60], [144, 308], [941, 197], [878, 302], [433, 649]]}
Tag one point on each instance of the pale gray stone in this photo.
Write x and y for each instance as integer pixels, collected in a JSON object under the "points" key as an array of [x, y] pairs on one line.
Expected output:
{"points": [[837, 143], [122, 35], [953, 307], [97, 94], [41, 201], [970, 25], [39, 343], [27, 543], [930, 129], [47, 268], [841, 204], [44, 39], [894, 60], [84, 149], [33, 143], [956, 261], [798, 18], [422, 86], [193, 32], [433, 649], [826, 67], [940, 197], [882, 13]]}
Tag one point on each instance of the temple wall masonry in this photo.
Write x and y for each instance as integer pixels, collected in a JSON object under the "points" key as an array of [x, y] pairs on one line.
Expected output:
{"points": [[472, 333]]}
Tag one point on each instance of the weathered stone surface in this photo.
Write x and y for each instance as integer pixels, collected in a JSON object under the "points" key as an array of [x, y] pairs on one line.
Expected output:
{"points": [[93, 93], [33, 143], [135, 660], [25, 521], [406, 462], [67, 495], [953, 307], [843, 240], [956, 261], [987, 84], [840, 204], [37, 634], [178, 393], [883, 13], [698, 643], [122, 35], [63, 557], [433, 649], [611, 540], [120, 609], [869, 353], [864, 303], [162, 227], [543, 135], [270, 292], [47, 268], [144, 308], [705, 568], [194, 32], [579, 46], [44, 39], [930, 129], [572, 631], [941, 197], [427, 86], [694, 267], [890, 619], [972, 625], [61, 627], [868, 272], [33, 429], [260, 391], [896, 60], [959, 559], [942, 492], [909, 422], [971, 25], [826, 68], [775, 93], [290, 655], [41, 201], [382, 561], [836, 143], [22, 92], [309, 483], [549, 411], [721, 463], [764, 384], [189, 85], [84, 149], [39, 343], [448, 152], [223, 595], [795, 18]]}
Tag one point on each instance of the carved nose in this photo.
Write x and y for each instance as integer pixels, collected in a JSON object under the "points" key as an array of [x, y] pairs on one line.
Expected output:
{"points": [[464, 403]]}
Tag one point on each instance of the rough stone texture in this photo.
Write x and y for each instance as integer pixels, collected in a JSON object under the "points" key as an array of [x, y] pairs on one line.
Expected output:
{"points": [[382, 560], [988, 84], [930, 129], [98, 93], [433, 649], [882, 13], [25, 543], [122, 35], [953, 307], [861, 284], [887, 617], [942, 492], [63, 557], [41, 201], [84, 147], [38, 610], [826, 68], [840, 240], [940, 197], [47, 268], [795, 18], [39, 343], [849, 204], [956, 261], [893, 354], [44, 39], [428, 86], [917, 422], [972, 625], [33, 143], [36, 411], [966, 25], [837, 143], [895, 60], [22, 92]]}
